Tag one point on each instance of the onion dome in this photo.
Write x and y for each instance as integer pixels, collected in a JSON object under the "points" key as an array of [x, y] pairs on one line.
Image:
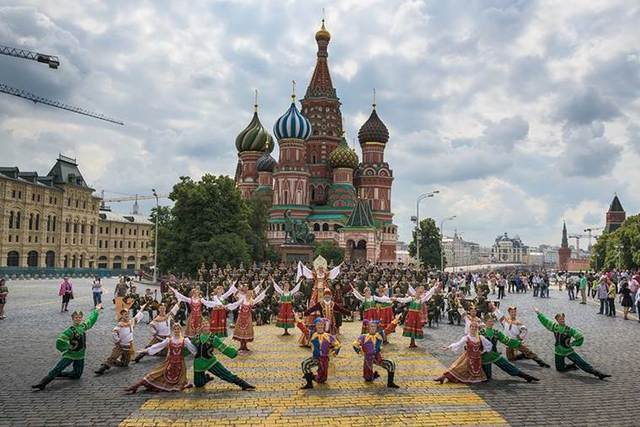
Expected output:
{"points": [[292, 124], [254, 137], [266, 163], [323, 34], [373, 130], [343, 156]]}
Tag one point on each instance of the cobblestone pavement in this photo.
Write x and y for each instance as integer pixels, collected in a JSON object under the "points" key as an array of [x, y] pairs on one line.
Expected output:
{"points": [[27, 353]]}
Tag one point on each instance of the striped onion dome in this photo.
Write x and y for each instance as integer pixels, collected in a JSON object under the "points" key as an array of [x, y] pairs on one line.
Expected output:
{"points": [[266, 163], [373, 130], [292, 125], [254, 137], [343, 156]]}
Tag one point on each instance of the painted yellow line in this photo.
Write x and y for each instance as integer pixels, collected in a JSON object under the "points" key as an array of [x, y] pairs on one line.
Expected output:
{"points": [[311, 402], [277, 419], [350, 363], [222, 387], [339, 374]]}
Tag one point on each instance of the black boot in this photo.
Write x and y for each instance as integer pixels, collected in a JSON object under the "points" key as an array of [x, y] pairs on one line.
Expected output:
{"points": [[43, 383], [101, 370], [139, 357], [527, 377], [309, 384], [542, 363], [244, 385], [390, 382], [601, 375]]}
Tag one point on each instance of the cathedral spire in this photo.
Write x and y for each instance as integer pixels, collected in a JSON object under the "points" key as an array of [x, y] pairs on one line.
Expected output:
{"points": [[565, 241], [320, 85]]}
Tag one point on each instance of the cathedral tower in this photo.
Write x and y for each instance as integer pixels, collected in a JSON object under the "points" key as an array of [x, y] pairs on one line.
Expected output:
{"points": [[564, 253], [322, 107]]}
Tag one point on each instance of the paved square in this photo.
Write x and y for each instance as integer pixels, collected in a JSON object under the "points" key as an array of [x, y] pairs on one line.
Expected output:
{"points": [[29, 332]]}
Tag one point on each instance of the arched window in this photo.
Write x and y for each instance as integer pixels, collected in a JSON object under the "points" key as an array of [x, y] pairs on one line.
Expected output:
{"points": [[313, 194], [286, 197], [37, 221], [32, 259], [313, 158], [66, 261], [13, 259], [48, 222], [131, 263], [30, 221], [316, 227], [54, 224], [102, 262], [50, 259], [325, 227], [73, 261], [81, 261], [18, 217], [11, 219], [117, 263]]}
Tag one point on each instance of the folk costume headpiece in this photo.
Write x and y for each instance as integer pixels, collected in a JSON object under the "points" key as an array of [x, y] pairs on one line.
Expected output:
{"points": [[559, 316], [327, 292], [489, 316], [77, 313], [367, 322], [319, 320]]}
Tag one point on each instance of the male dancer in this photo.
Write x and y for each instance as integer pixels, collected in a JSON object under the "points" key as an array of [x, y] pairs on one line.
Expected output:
{"points": [[122, 336], [205, 363], [494, 357], [370, 345], [161, 329], [72, 343], [564, 346], [323, 345], [517, 330], [327, 307]]}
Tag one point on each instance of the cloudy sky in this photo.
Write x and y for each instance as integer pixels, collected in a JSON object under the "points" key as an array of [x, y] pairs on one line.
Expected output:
{"points": [[520, 112]]}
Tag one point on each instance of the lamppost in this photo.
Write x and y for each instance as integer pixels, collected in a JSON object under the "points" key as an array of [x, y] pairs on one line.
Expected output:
{"points": [[442, 237], [155, 238], [418, 200]]}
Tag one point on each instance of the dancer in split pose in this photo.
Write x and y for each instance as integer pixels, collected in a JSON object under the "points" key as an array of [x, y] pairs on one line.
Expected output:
{"points": [[160, 329], [370, 346], [517, 330], [72, 343], [171, 375], [122, 335], [564, 346]]}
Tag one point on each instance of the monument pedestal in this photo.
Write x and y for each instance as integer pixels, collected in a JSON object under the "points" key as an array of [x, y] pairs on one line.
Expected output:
{"points": [[295, 253]]}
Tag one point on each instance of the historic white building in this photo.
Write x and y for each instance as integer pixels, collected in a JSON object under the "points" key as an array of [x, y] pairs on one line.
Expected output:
{"points": [[459, 252], [509, 250]]}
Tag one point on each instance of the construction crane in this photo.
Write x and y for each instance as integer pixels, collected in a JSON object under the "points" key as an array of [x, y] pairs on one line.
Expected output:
{"points": [[578, 237], [589, 230], [52, 61], [129, 199]]}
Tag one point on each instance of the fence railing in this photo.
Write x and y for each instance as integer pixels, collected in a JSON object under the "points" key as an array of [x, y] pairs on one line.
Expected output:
{"points": [[55, 273]]}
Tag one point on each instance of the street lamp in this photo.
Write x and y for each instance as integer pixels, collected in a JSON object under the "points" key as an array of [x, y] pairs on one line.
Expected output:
{"points": [[442, 237], [155, 238], [418, 200]]}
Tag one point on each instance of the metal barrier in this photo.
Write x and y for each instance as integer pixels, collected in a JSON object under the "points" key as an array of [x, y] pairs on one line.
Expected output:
{"points": [[24, 273]]}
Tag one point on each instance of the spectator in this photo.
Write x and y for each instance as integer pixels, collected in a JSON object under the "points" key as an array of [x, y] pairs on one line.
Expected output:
{"points": [[96, 290], [570, 289], [634, 287], [583, 288], [66, 292], [603, 292], [613, 291], [626, 300], [3, 297]]}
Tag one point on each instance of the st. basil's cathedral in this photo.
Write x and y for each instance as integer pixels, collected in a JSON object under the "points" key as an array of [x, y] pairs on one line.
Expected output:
{"points": [[318, 178]]}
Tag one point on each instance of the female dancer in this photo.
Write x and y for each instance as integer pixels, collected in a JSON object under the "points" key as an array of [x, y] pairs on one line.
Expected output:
{"points": [[243, 330], [171, 375], [218, 315], [369, 305], [414, 322], [195, 320], [285, 313], [161, 329], [467, 368]]}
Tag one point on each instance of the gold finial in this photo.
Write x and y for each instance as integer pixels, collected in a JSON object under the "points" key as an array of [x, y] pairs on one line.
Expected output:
{"points": [[255, 103], [323, 17], [293, 91], [374, 98]]}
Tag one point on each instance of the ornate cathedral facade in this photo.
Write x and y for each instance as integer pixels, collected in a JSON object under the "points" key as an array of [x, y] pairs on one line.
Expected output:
{"points": [[318, 182]]}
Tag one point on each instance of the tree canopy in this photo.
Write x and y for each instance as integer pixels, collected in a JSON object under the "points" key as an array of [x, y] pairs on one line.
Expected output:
{"points": [[620, 249], [329, 251], [429, 239]]}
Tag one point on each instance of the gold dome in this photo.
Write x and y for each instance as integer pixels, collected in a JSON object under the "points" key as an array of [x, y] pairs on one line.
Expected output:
{"points": [[322, 33]]}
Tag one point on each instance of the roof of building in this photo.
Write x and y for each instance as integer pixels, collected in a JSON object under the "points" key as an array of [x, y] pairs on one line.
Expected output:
{"points": [[292, 124], [124, 218], [320, 85], [616, 206], [362, 216], [254, 137], [13, 173], [66, 171], [343, 156]]}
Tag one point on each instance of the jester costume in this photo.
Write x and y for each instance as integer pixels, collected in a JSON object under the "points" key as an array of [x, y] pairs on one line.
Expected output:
{"points": [[369, 345], [205, 361], [564, 346], [72, 343], [323, 345], [495, 357]]}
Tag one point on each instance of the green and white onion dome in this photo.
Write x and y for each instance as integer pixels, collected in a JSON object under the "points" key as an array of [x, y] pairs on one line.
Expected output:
{"points": [[254, 137]]}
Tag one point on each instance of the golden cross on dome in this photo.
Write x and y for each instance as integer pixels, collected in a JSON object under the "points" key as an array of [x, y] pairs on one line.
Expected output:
{"points": [[374, 98], [255, 104], [293, 90]]}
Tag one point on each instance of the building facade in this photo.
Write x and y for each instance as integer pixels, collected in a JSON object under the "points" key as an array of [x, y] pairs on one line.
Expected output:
{"points": [[507, 250], [459, 252], [318, 179], [54, 221]]}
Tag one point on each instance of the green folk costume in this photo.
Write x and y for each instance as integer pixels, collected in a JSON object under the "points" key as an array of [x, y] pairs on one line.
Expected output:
{"points": [[206, 361], [564, 347], [494, 357], [72, 343]]}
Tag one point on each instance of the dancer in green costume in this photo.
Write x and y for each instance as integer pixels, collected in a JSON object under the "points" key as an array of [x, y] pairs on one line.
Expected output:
{"points": [[494, 357], [564, 346], [72, 343], [205, 362]]}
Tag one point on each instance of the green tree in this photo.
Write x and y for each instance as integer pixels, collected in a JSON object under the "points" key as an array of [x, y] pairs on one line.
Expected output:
{"points": [[330, 251], [620, 249], [258, 210], [165, 238], [429, 239]]}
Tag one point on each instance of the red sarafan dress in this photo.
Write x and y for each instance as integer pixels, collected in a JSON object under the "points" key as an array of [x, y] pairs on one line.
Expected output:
{"points": [[218, 314], [285, 318], [414, 322], [171, 375], [467, 368], [243, 330], [195, 321]]}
